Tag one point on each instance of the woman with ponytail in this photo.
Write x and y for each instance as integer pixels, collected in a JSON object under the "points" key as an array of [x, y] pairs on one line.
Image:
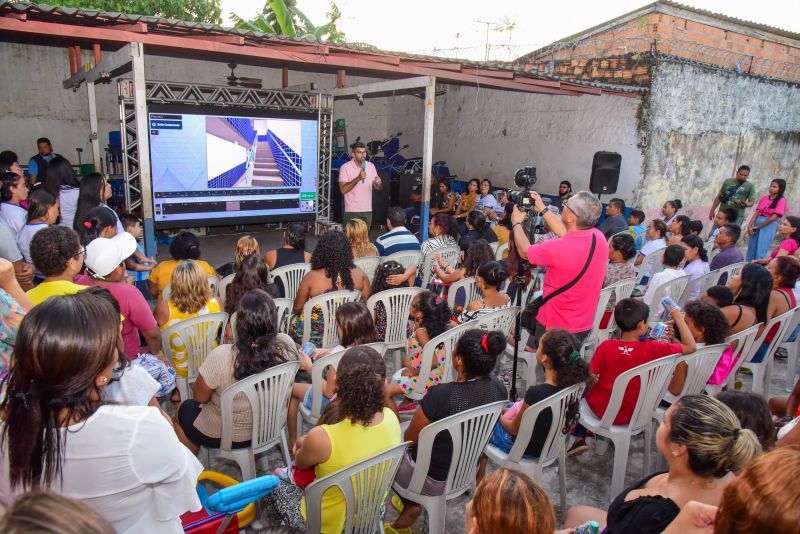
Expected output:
{"points": [[477, 228], [474, 358], [559, 355], [99, 222], [696, 265], [488, 279], [704, 446], [123, 461], [259, 346]]}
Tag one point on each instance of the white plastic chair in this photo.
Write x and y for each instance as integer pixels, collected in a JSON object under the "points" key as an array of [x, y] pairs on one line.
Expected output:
{"points": [[328, 304], [450, 255], [762, 370], [699, 366], [368, 264], [284, 307], [729, 270], [621, 290], [199, 335], [470, 288], [791, 354], [223, 288], [702, 283], [312, 415], [470, 431], [268, 393], [653, 380], [674, 289], [501, 251], [213, 283], [554, 448], [595, 336], [448, 340], [397, 305], [364, 485], [742, 343], [502, 320], [494, 245], [290, 277], [650, 264], [405, 258]]}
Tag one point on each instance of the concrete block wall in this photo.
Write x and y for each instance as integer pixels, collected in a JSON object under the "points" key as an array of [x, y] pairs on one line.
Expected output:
{"points": [[490, 133], [702, 125], [35, 103]]}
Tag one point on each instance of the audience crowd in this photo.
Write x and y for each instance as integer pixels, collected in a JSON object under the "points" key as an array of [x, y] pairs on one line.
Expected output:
{"points": [[104, 409]]}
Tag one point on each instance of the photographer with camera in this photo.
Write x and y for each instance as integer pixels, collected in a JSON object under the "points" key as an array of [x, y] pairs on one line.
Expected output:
{"points": [[736, 193], [576, 263]]}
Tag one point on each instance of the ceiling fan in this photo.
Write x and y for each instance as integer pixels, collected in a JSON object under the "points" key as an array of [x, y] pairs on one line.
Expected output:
{"points": [[241, 81]]}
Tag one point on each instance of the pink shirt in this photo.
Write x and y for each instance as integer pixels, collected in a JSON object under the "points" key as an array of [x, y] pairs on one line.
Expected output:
{"points": [[789, 245], [359, 199], [134, 308], [763, 207], [564, 258]]}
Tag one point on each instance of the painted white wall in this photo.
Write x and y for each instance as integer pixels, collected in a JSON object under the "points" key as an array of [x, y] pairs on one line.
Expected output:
{"points": [[486, 133]]}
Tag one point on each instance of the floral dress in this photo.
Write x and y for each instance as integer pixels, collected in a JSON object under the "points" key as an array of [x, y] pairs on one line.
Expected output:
{"points": [[415, 353], [11, 315], [296, 326]]}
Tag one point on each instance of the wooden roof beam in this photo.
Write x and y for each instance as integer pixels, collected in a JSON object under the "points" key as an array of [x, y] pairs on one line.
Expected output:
{"points": [[227, 39]]}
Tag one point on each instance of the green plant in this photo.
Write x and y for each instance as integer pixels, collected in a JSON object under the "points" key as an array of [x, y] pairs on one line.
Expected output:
{"points": [[283, 17], [190, 10]]}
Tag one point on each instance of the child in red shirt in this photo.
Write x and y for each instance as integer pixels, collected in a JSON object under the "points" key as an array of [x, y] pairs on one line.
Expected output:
{"points": [[615, 356]]}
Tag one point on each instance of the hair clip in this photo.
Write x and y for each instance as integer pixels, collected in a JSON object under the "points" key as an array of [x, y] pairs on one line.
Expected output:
{"points": [[253, 345], [485, 342], [575, 356], [88, 225]]}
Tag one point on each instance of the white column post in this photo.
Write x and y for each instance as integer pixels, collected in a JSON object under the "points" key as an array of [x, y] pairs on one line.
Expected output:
{"points": [[93, 134], [427, 156], [143, 144]]}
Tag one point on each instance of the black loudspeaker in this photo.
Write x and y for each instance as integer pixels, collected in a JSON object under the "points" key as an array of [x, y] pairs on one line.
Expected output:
{"points": [[380, 201], [405, 186], [605, 173]]}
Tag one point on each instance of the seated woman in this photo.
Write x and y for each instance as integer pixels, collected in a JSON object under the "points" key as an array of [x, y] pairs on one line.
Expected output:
{"points": [[479, 252], [753, 412], [258, 347], [332, 269], [696, 263], [489, 277], [42, 212], [526, 505], [487, 203], [185, 246], [355, 326], [367, 428], [656, 241], [190, 296], [432, 317], [704, 445], [13, 192], [99, 222], [789, 234], [54, 404], [94, 191], [785, 271], [474, 358], [252, 273], [444, 200], [477, 228], [503, 227], [293, 249], [245, 246], [467, 203], [384, 271], [358, 235], [621, 249], [558, 353], [680, 227], [443, 232]]}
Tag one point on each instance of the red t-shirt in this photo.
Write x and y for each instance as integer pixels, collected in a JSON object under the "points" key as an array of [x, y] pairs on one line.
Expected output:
{"points": [[572, 310], [614, 357]]}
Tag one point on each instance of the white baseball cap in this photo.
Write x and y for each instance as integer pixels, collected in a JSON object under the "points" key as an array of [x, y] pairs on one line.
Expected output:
{"points": [[103, 255]]}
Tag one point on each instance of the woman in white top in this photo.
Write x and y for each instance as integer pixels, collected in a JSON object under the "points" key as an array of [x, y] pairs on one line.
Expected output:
{"points": [[94, 192], [696, 263], [488, 279], [13, 191], [62, 183], [656, 240], [124, 461], [486, 202], [444, 233], [670, 210], [42, 212]]}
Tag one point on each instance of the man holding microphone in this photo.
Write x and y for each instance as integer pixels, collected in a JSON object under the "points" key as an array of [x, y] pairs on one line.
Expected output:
{"points": [[357, 179]]}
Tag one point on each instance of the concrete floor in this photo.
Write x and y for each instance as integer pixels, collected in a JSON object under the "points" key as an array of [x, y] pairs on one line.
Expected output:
{"points": [[588, 476]]}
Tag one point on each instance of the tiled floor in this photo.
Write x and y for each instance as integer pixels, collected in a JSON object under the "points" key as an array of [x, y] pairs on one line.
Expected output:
{"points": [[588, 476]]}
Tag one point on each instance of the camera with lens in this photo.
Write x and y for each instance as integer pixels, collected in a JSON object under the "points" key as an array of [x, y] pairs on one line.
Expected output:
{"points": [[524, 179]]}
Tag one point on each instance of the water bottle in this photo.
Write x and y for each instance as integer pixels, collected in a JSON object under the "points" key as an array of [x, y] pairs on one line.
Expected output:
{"points": [[590, 527], [658, 330]]}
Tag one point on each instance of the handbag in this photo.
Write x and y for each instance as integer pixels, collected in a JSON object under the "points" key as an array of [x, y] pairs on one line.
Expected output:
{"points": [[528, 319], [725, 197]]}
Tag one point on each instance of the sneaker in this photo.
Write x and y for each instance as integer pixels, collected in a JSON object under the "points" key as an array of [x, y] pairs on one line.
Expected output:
{"points": [[745, 371], [397, 503], [389, 529], [410, 407], [578, 447]]}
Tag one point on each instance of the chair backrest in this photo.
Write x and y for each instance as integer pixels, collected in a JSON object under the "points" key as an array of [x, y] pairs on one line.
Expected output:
{"points": [[471, 291], [397, 305], [199, 335], [368, 264], [729, 271], [781, 324], [405, 257], [502, 320], [428, 361], [213, 283], [317, 369], [470, 431], [621, 290], [674, 289], [651, 264], [364, 486], [449, 255], [223, 288], [328, 304], [700, 365], [290, 277], [742, 344], [501, 250], [602, 303], [653, 381], [555, 442], [639, 239], [284, 307], [268, 393], [700, 285]]}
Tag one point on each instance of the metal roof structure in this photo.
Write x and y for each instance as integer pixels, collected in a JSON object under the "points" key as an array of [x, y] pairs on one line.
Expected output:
{"points": [[59, 26]]}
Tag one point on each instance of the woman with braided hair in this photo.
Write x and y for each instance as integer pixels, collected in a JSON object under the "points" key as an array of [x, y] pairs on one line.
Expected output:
{"points": [[258, 347], [123, 461]]}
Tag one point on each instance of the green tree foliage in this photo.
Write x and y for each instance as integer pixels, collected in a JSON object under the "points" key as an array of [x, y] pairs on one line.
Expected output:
{"points": [[191, 10], [283, 17]]}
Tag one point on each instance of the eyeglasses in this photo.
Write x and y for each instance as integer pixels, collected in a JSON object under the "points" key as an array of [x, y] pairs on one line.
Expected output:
{"points": [[81, 252], [566, 206]]}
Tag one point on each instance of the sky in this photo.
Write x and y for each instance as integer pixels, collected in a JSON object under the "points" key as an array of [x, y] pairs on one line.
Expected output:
{"points": [[453, 28]]}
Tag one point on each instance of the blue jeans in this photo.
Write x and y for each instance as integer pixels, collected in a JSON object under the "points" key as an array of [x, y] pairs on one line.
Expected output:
{"points": [[501, 438], [759, 243]]}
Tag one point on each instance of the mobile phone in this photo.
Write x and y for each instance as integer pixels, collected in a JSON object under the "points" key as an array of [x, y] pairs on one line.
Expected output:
{"points": [[308, 348], [669, 305], [658, 330]]}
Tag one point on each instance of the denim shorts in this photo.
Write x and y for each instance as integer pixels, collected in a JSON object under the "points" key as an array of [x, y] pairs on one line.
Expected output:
{"points": [[309, 396], [501, 438]]}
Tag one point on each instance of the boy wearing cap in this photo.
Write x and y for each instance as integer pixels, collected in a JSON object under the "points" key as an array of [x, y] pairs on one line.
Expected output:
{"points": [[105, 262], [57, 254]]}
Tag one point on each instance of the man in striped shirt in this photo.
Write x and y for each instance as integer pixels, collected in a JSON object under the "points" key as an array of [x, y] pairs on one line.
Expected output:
{"points": [[398, 238]]}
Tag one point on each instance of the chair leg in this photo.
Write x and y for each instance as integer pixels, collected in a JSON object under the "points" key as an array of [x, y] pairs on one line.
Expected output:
{"points": [[562, 482], [622, 444], [436, 509], [648, 438], [758, 378], [299, 424], [285, 446], [791, 364], [183, 388], [247, 463]]}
